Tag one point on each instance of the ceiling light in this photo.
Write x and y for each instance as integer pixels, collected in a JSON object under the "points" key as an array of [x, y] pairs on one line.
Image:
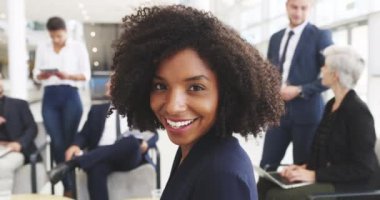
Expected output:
{"points": [[3, 16], [94, 49], [80, 5], [96, 63], [92, 33]]}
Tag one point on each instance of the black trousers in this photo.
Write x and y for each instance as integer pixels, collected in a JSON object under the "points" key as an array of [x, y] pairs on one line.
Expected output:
{"points": [[124, 155], [270, 191]]}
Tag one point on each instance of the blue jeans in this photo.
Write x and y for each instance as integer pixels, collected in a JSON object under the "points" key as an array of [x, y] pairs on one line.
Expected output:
{"points": [[61, 112]]}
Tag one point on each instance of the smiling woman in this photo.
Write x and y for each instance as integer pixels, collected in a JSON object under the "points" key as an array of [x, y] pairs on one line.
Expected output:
{"points": [[183, 70]]}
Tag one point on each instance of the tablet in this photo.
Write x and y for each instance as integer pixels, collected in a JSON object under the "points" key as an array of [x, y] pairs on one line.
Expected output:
{"points": [[275, 177], [49, 70]]}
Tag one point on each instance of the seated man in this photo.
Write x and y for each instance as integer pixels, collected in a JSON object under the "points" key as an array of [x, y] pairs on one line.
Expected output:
{"points": [[17, 132], [104, 155]]}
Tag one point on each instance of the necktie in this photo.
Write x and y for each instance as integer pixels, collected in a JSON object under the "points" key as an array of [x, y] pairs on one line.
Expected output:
{"points": [[118, 131], [283, 56]]}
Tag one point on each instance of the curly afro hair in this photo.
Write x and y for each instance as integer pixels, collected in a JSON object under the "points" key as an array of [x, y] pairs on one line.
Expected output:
{"points": [[248, 85]]}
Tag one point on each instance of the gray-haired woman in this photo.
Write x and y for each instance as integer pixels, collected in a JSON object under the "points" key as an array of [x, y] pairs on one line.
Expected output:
{"points": [[343, 157]]}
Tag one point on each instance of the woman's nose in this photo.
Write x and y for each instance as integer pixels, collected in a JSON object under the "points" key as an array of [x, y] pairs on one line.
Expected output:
{"points": [[176, 102]]}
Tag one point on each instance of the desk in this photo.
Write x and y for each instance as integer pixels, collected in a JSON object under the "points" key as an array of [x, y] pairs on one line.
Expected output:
{"points": [[37, 197]]}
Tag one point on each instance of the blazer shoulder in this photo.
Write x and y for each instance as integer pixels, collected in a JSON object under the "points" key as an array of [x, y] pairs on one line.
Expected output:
{"points": [[16, 101], [354, 106], [231, 156], [317, 30], [100, 107], [277, 34]]}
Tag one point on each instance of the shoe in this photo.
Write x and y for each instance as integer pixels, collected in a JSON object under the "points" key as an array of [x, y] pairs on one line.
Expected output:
{"points": [[60, 171], [68, 194]]}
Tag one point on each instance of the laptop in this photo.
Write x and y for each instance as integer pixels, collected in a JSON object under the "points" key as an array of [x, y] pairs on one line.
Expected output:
{"points": [[275, 177], [4, 151]]}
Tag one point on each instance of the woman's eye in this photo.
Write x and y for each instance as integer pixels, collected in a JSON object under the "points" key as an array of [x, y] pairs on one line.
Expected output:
{"points": [[196, 88], [159, 86]]}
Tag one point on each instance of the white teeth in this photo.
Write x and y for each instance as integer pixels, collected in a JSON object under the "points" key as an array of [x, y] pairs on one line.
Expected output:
{"points": [[179, 124]]}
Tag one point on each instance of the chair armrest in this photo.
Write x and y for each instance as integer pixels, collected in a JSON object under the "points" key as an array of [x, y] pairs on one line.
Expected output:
{"points": [[344, 194], [34, 156], [33, 161]]}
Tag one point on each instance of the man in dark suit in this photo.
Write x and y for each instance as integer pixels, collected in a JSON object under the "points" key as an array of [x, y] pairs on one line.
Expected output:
{"points": [[105, 153], [17, 131], [296, 52]]}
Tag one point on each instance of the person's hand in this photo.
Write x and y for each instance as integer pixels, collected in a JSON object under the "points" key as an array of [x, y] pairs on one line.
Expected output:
{"points": [[289, 92], [14, 146], [144, 146], [62, 75], [2, 120], [73, 150], [44, 76], [288, 169], [298, 173]]}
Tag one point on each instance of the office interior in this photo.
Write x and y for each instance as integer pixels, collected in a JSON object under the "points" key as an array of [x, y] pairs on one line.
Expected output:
{"points": [[97, 24]]}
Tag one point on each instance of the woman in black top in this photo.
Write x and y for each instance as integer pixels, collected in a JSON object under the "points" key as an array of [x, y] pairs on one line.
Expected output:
{"points": [[343, 157]]}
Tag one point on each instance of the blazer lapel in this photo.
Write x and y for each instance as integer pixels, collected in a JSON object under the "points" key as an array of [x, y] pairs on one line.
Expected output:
{"points": [[302, 44], [182, 176], [276, 48]]}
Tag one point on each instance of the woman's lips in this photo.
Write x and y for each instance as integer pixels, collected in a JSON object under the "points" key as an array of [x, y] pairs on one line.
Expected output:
{"points": [[178, 125]]}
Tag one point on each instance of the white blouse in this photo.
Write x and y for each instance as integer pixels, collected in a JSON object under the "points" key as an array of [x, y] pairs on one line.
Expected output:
{"points": [[72, 59]]}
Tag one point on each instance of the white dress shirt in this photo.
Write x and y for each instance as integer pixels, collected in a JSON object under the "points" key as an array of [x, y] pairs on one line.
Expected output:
{"points": [[293, 42], [109, 134], [72, 59]]}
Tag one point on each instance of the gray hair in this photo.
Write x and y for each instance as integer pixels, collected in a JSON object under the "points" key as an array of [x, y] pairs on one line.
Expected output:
{"points": [[347, 62]]}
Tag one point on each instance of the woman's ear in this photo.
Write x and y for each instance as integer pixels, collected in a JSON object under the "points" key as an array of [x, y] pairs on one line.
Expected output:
{"points": [[336, 76]]}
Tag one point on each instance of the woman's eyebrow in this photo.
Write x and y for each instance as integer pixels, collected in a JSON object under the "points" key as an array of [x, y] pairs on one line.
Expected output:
{"points": [[158, 77], [193, 78], [196, 78]]}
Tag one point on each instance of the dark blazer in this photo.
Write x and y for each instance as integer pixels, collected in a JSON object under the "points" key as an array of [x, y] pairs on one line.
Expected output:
{"points": [[304, 71], [20, 125], [89, 136], [93, 128], [215, 169], [351, 163]]}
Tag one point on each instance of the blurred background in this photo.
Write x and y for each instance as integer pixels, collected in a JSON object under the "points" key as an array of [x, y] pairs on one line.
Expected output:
{"points": [[97, 24]]}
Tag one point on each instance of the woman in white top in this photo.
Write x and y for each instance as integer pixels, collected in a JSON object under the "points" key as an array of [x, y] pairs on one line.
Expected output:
{"points": [[60, 65]]}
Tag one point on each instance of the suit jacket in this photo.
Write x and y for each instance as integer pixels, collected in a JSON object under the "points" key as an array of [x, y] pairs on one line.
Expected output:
{"points": [[215, 169], [350, 162], [20, 125], [93, 129], [304, 72]]}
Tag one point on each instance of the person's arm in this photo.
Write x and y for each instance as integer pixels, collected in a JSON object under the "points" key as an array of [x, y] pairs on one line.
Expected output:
{"points": [[316, 87], [84, 63], [223, 186], [361, 135], [29, 126], [38, 76]]}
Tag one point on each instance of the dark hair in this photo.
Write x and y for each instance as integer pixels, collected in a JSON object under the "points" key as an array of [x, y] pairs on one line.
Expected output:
{"points": [[248, 85], [55, 23]]}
